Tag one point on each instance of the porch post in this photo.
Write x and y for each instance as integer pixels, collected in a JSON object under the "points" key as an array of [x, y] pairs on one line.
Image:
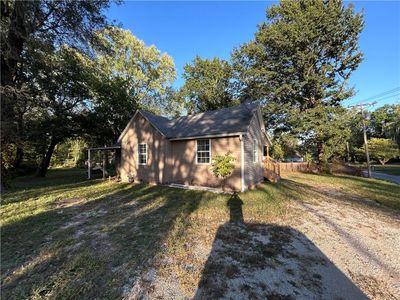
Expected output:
{"points": [[89, 165]]}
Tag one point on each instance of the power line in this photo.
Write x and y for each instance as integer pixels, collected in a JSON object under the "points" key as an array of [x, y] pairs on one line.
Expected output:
{"points": [[386, 94]]}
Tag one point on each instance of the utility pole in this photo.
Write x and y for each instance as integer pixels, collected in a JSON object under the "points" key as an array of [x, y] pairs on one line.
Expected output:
{"points": [[362, 106]]}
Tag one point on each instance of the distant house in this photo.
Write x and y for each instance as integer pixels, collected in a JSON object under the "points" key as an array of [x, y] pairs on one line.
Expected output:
{"points": [[156, 149]]}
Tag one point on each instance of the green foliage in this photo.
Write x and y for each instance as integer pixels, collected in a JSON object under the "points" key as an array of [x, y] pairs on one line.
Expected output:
{"points": [[278, 152], [382, 149], [299, 64], [33, 34], [129, 76], [308, 157], [303, 55], [73, 94], [327, 129], [285, 144], [70, 153], [207, 84], [146, 73], [356, 139], [223, 165], [385, 122]]}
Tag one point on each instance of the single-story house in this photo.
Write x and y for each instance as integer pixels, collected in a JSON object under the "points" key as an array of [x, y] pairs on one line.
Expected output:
{"points": [[159, 150]]}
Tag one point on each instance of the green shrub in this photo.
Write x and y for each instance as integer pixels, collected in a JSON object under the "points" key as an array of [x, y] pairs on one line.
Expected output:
{"points": [[223, 166]]}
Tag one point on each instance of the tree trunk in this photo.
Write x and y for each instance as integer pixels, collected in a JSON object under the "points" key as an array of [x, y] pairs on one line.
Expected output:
{"points": [[45, 163], [383, 161], [320, 151], [19, 155]]}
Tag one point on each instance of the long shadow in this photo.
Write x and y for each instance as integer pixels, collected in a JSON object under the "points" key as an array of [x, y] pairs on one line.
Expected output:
{"points": [[268, 261], [94, 249]]}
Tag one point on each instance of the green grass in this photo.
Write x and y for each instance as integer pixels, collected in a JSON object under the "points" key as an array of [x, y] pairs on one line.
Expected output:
{"points": [[388, 169], [66, 237], [349, 188]]}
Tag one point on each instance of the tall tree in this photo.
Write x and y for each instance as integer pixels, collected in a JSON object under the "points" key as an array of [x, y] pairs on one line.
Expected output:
{"points": [[304, 54], [207, 84], [129, 76], [300, 61], [64, 101], [36, 26]]}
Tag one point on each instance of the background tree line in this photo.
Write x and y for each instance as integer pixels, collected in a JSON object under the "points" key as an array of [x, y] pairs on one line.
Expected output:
{"points": [[68, 73]]}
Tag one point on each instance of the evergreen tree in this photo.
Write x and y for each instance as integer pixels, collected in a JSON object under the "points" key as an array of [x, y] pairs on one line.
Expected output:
{"points": [[299, 64]]}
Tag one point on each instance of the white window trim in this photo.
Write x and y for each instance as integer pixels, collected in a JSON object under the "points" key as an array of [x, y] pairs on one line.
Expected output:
{"points": [[255, 153], [209, 143], [142, 164]]}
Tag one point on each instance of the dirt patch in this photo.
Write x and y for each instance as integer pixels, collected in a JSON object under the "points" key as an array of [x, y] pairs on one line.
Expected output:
{"points": [[67, 202]]}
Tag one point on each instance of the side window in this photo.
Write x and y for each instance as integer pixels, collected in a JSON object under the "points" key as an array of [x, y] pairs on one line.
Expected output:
{"points": [[142, 154], [203, 151], [255, 151], [266, 150]]}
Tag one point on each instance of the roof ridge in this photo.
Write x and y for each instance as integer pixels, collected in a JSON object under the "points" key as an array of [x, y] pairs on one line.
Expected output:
{"points": [[158, 116], [245, 104]]}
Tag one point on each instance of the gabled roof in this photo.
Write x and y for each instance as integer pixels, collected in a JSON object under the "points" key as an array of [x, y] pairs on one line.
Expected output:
{"points": [[163, 124], [226, 121]]}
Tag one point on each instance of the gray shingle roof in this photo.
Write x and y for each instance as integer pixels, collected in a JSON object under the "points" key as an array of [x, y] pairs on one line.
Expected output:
{"points": [[217, 122]]}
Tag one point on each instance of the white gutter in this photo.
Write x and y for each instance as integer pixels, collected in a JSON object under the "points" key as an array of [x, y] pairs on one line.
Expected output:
{"points": [[242, 161]]}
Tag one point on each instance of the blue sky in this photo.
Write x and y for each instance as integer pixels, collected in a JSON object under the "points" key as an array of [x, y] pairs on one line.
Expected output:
{"points": [[208, 29]]}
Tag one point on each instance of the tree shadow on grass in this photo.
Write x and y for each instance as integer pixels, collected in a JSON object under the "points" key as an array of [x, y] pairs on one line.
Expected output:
{"points": [[266, 261], [92, 249]]}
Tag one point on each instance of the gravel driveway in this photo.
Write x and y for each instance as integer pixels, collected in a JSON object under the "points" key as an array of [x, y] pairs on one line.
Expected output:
{"points": [[331, 247], [364, 244]]}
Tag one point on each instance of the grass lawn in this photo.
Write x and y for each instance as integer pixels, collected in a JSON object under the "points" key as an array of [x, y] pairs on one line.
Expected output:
{"points": [[66, 237], [388, 169]]}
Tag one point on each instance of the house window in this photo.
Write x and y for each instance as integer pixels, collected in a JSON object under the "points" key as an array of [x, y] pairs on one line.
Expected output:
{"points": [[203, 151], [266, 150], [255, 151], [142, 154]]}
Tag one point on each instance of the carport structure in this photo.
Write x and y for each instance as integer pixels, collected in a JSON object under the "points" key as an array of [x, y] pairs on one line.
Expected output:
{"points": [[116, 148]]}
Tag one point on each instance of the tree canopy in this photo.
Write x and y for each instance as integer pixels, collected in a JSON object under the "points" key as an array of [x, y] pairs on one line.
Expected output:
{"points": [[67, 73], [207, 84], [383, 149], [298, 65], [303, 55], [32, 32], [128, 76]]}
